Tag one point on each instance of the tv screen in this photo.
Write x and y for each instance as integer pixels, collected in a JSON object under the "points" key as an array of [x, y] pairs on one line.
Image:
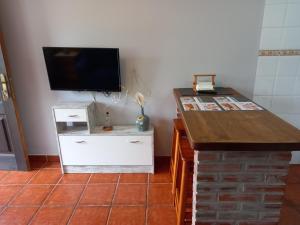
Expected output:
{"points": [[83, 69]]}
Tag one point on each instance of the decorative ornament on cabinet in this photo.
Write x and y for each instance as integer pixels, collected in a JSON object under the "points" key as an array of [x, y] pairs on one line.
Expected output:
{"points": [[142, 120]]}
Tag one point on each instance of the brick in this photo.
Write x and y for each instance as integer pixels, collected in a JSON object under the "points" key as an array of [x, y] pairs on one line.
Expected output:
{"points": [[262, 206], [208, 156], [253, 167], [270, 216], [232, 167], [276, 178], [273, 198], [239, 197], [206, 215], [216, 206], [264, 188], [225, 223], [279, 168], [220, 199], [206, 197], [281, 156], [238, 215], [258, 223], [216, 187], [245, 155], [215, 223], [242, 177], [205, 223], [207, 178], [257, 168]]}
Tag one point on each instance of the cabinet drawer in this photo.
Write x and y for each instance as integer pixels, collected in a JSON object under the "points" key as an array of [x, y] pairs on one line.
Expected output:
{"points": [[70, 115], [106, 150]]}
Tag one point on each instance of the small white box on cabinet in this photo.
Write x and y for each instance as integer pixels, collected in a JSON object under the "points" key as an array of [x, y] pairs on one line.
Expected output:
{"points": [[85, 147]]}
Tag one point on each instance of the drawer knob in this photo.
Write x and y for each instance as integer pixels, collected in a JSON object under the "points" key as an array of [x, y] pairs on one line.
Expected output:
{"points": [[134, 142], [80, 142], [73, 115]]}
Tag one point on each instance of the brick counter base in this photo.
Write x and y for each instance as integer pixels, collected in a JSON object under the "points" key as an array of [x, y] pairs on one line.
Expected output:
{"points": [[239, 188]]}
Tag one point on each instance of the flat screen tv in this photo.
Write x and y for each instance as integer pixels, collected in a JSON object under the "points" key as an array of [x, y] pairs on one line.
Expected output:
{"points": [[83, 69]]}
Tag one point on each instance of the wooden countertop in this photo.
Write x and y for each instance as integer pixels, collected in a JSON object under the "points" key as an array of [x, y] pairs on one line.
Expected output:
{"points": [[236, 130]]}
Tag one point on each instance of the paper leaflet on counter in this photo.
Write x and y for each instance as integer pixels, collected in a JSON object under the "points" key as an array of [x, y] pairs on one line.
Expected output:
{"points": [[189, 104], [207, 106], [196, 104], [226, 103], [230, 103]]}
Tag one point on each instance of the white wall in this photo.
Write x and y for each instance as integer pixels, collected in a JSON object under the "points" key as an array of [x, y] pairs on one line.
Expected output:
{"points": [[161, 42], [277, 85]]}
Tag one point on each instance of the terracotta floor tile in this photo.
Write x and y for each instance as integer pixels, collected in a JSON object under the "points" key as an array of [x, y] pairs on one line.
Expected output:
{"points": [[47, 176], [134, 178], [161, 216], [32, 195], [98, 194], [160, 194], [104, 178], [79, 178], [3, 174], [52, 216], [17, 177], [8, 192], [160, 178], [90, 215], [130, 215], [51, 165], [130, 194], [65, 195], [17, 215]]}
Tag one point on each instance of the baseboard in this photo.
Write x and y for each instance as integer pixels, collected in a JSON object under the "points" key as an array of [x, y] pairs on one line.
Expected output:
{"points": [[43, 158], [55, 158], [108, 169]]}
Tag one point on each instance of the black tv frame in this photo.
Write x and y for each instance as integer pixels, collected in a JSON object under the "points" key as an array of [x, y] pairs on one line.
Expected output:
{"points": [[119, 89]]}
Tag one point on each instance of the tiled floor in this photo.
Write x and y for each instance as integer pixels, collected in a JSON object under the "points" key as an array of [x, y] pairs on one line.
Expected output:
{"points": [[44, 196]]}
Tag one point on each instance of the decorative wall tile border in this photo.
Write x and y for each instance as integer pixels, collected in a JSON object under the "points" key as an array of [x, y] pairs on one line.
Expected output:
{"points": [[285, 52]]}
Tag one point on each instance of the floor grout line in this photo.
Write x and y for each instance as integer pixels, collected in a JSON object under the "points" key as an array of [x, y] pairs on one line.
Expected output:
{"points": [[147, 199], [4, 176], [79, 199], [75, 206], [46, 198], [18, 193], [113, 198]]}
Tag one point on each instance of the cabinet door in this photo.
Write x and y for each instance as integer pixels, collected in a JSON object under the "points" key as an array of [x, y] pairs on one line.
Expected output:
{"points": [[4, 142], [106, 150]]}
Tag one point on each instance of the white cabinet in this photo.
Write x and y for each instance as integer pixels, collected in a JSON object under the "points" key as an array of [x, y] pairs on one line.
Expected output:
{"points": [[85, 147], [109, 150]]}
